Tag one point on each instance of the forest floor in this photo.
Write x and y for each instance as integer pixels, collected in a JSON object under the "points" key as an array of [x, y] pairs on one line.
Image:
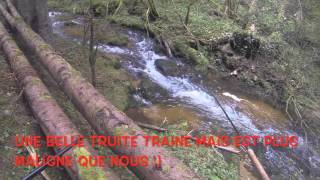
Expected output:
{"points": [[115, 84], [16, 119], [285, 73], [285, 70]]}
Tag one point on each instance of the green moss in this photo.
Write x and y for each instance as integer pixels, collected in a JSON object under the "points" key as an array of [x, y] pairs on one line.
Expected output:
{"points": [[207, 162], [273, 38], [128, 21], [113, 82], [190, 54], [117, 40], [36, 81], [90, 172], [311, 24], [272, 18], [121, 130], [3, 100], [44, 47], [117, 82]]}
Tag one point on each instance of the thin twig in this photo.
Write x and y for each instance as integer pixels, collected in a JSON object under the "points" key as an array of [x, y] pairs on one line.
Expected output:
{"points": [[33, 154], [149, 126]]}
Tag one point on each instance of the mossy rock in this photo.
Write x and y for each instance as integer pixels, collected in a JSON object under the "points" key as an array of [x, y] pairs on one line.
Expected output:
{"points": [[129, 21], [150, 90], [193, 56]]}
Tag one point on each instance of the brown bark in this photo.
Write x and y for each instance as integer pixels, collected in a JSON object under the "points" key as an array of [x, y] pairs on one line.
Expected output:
{"points": [[51, 118], [100, 113], [92, 51], [258, 165]]}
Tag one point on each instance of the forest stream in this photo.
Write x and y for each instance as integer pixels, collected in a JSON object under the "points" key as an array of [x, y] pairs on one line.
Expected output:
{"points": [[191, 98]]}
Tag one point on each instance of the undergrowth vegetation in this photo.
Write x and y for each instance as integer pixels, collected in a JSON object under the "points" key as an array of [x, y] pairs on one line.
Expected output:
{"points": [[286, 70], [207, 162]]}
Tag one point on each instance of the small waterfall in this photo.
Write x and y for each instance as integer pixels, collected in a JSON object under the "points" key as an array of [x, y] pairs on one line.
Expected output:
{"points": [[184, 91]]}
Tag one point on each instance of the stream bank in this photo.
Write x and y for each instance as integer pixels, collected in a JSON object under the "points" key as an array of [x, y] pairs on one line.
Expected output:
{"points": [[189, 92], [283, 73], [17, 119]]}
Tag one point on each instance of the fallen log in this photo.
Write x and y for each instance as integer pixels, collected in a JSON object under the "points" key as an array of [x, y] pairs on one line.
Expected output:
{"points": [[99, 112], [51, 118], [258, 165]]}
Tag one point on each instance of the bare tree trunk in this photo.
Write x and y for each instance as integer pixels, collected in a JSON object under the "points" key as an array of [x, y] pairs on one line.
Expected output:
{"points": [[52, 119], [153, 13], [186, 21], [84, 38], [100, 113], [92, 51], [93, 73]]}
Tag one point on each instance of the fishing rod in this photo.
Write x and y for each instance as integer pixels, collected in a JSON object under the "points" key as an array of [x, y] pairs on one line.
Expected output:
{"points": [[226, 114], [41, 168], [248, 150]]}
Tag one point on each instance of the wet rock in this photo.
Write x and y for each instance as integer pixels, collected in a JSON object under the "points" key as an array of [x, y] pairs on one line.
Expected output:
{"points": [[70, 23], [138, 101], [244, 2], [167, 67], [151, 91]]}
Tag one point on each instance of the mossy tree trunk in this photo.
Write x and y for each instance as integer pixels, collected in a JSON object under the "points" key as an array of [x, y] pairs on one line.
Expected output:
{"points": [[50, 116]]}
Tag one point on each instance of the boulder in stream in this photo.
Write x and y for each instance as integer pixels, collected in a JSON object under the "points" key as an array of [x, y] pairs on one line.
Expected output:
{"points": [[70, 23], [151, 91], [167, 67]]}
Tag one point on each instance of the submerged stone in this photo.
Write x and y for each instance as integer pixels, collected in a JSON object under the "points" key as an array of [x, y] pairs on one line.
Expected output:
{"points": [[167, 67]]}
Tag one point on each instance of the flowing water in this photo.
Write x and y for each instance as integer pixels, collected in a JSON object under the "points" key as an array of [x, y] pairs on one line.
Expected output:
{"points": [[191, 100]]}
